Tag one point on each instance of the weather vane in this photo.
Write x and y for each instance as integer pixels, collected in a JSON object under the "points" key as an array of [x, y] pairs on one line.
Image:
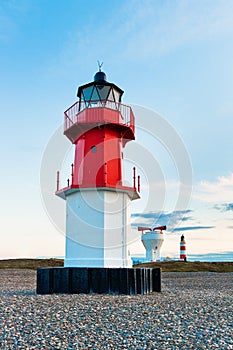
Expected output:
{"points": [[100, 65]]}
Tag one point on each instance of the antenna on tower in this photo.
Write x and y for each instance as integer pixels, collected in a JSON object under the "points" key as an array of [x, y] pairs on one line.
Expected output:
{"points": [[100, 65]]}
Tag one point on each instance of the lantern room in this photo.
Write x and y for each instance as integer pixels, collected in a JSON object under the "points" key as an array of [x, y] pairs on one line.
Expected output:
{"points": [[99, 92]]}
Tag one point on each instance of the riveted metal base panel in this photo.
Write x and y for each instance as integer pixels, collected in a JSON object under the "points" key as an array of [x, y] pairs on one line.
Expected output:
{"points": [[75, 280]]}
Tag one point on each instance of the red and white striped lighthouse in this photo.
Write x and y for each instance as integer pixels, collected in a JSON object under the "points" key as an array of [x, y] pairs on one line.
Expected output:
{"points": [[182, 248], [97, 200]]}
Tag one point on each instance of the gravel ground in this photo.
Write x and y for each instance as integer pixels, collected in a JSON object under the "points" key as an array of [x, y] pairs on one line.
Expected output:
{"points": [[194, 311]]}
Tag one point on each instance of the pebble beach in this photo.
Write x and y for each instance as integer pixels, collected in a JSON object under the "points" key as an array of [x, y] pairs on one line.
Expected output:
{"points": [[193, 311]]}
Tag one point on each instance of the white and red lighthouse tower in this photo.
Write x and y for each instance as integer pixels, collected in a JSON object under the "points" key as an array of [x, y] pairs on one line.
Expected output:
{"points": [[97, 199], [182, 248]]}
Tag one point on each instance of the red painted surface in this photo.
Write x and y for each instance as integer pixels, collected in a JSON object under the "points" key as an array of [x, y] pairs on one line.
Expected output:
{"points": [[99, 134], [111, 111], [98, 158], [161, 228], [77, 123], [183, 249], [142, 228]]}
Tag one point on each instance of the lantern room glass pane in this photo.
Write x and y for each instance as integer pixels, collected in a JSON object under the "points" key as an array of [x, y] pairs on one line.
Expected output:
{"points": [[111, 96], [103, 91], [87, 93], [83, 103], [117, 95], [95, 96]]}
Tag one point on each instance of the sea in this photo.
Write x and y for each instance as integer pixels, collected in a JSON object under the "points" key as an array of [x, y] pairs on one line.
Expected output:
{"points": [[210, 257]]}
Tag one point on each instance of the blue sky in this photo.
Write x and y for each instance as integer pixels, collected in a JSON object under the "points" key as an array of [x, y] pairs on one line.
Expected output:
{"points": [[172, 57]]}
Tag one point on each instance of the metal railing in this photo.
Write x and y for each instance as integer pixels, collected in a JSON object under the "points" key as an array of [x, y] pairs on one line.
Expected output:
{"points": [[70, 182], [73, 114]]}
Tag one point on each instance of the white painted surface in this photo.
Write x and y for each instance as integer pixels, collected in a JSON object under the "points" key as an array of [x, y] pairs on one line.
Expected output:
{"points": [[97, 229], [152, 241]]}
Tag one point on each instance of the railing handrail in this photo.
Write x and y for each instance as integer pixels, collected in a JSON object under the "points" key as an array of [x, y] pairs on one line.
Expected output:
{"points": [[75, 103], [71, 114], [95, 101]]}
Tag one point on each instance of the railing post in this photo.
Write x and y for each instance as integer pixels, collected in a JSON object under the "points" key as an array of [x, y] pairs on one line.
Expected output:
{"points": [[105, 173], [134, 177], [58, 180], [72, 174], [68, 182], [139, 183]]}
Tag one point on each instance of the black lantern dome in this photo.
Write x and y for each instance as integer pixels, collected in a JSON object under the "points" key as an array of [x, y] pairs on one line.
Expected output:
{"points": [[100, 77]]}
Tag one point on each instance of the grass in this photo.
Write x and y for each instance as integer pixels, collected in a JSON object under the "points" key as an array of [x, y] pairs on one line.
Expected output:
{"points": [[31, 264], [166, 266]]}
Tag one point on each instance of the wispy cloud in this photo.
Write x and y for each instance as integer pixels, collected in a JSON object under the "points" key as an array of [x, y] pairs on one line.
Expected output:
{"points": [[170, 219], [216, 191], [144, 30], [192, 228], [161, 27], [224, 207], [228, 206]]}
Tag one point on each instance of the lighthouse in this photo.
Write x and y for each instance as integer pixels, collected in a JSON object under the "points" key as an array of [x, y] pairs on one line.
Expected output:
{"points": [[97, 256], [182, 248], [97, 197]]}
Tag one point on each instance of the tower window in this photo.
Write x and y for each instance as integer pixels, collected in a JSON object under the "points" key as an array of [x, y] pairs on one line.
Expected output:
{"points": [[93, 149]]}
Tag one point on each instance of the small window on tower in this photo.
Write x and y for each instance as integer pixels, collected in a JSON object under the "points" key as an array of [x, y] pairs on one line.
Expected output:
{"points": [[93, 149]]}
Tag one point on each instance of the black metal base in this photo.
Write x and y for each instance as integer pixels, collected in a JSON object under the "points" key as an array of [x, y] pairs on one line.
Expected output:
{"points": [[87, 280]]}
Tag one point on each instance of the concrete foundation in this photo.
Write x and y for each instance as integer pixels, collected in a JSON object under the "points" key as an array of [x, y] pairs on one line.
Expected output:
{"points": [[74, 280]]}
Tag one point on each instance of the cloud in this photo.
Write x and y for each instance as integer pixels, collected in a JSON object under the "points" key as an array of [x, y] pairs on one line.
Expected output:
{"points": [[157, 28], [161, 27], [216, 191], [191, 228], [224, 207], [152, 219], [228, 206]]}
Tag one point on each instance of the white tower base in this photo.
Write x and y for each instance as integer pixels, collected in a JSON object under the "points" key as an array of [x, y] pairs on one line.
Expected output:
{"points": [[152, 241], [97, 228]]}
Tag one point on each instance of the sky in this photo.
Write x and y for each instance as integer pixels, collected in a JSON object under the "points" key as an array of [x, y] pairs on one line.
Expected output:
{"points": [[174, 60]]}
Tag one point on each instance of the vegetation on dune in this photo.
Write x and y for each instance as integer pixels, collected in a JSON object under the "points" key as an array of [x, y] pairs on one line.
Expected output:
{"points": [[166, 266], [31, 264]]}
